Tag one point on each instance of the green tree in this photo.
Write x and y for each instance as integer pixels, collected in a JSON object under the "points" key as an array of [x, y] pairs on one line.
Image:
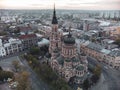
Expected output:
{"points": [[97, 70], [4, 75]]}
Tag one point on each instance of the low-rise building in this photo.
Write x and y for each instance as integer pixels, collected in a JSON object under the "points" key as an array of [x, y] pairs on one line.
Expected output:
{"points": [[91, 49], [44, 30], [115, 59], [101, 54], [28, 40]]}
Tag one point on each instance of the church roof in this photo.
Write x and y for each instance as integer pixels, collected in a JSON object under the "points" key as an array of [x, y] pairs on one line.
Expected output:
{"points": [[80, 68], [69, 39], [75, 59], [67, 60]]}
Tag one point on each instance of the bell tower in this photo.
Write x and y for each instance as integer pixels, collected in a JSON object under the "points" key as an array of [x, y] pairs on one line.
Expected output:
{"points": [[55, 39]]}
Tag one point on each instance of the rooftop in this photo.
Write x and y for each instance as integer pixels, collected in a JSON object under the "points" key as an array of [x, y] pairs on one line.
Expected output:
{"points": [[27, 36], [105, 51], [95, 46]]}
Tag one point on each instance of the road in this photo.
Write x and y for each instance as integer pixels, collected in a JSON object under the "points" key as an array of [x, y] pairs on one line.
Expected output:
{"points": [[37, 83], [111, 76]]}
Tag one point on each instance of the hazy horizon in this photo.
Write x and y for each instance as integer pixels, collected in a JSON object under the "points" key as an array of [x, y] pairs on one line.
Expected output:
{"points": [[61, 4]]}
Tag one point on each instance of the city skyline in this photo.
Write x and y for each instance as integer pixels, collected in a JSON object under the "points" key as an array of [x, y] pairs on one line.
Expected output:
{"points": [[61, 4]]}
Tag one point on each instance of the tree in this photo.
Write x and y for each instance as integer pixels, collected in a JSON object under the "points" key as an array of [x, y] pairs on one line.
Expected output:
{"points": [[4, 75], [97, 70], [23, 81], [16, 31], [71, 81], [86, 84], [93, 40], [34, 50], [96, 74], [94, 78], [16, 65], [3, 33]]}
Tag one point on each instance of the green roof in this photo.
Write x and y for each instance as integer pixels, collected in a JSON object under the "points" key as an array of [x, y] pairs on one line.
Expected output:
{"points": [[60, 60], [75, 59], [69, 39], [80, 68], [67, 60]]}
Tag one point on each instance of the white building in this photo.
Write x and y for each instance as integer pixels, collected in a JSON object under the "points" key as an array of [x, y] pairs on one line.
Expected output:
{"points": [[2, 50], [12, 46]]}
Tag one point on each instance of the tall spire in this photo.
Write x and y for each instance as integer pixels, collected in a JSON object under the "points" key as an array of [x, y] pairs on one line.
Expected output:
{"points": [[54, 19]]}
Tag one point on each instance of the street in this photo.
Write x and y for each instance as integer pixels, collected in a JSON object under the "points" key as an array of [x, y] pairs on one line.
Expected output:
{"points": [[110, 78], [37, 83]]}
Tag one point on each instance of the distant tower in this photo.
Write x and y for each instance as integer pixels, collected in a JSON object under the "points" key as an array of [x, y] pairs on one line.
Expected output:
{"points": [[109, 17], [115, 16], [119, 16], [55, 39], [85, 25], [103, 16]]}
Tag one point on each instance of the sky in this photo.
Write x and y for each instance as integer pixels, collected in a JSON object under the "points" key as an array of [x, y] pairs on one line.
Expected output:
{"points": [[61, 4]]}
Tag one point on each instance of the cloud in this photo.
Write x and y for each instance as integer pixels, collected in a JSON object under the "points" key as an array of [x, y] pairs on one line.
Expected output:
{"points": [[61, 4]]}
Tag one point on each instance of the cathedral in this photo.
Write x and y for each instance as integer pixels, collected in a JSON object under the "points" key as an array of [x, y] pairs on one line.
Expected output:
{"points": [[65, 60]]}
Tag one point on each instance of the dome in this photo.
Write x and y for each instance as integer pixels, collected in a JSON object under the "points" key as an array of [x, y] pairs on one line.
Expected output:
{"points": [[69, 39], [80, 68]]}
